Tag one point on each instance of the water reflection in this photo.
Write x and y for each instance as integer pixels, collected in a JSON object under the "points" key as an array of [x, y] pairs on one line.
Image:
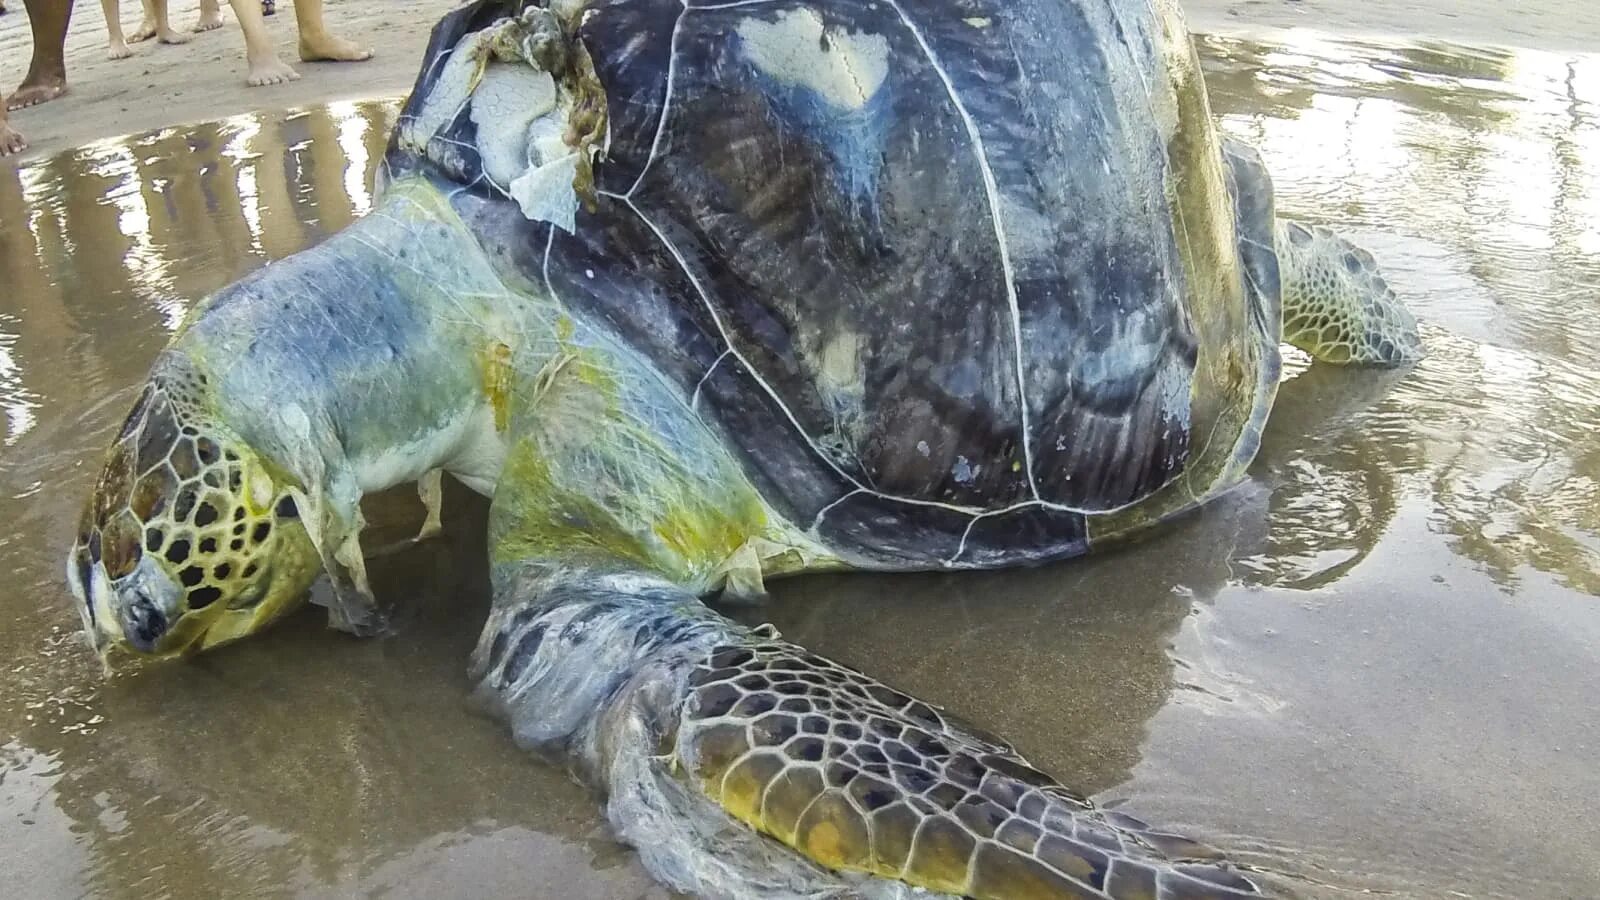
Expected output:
{"points": [[1482, 170], [279, 767], [1462, 495]]}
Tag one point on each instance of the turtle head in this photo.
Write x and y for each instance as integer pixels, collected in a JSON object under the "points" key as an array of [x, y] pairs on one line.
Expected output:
{"points": [[191, 538]]}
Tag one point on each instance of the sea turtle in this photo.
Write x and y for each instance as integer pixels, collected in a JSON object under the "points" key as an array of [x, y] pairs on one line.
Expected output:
{"points": [[705, 293]]}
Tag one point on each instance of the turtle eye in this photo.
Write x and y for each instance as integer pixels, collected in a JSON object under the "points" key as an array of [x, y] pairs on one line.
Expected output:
{"points": [[286, 508]]}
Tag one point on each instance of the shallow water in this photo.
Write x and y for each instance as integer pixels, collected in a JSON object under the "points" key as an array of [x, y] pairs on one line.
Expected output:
{"points": [[1372, 667]]}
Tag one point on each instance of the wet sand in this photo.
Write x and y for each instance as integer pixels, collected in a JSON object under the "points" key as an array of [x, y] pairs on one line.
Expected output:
{"points": [[204, 79], [1371, 668]]}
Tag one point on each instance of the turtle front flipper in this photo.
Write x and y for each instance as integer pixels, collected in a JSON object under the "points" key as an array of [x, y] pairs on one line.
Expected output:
{"points": [[692, 724], [1336, 305]]}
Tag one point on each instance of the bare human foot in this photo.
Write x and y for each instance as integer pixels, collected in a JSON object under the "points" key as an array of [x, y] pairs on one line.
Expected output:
{"points": [[168, 36], [146, 30], [10, 141], [324, 46], [269, 71], [30, 94], [119, 50], [210, 16]]}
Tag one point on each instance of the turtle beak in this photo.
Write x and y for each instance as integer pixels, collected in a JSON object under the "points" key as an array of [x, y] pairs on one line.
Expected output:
{"points": [[143, 624], [139, 611]]}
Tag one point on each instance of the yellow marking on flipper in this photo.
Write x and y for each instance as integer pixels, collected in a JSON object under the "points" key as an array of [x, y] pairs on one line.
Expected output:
{"points": [[497, 376]]}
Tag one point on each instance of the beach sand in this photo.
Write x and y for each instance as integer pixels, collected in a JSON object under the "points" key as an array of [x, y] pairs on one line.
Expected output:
{"points": [[204, 79]]}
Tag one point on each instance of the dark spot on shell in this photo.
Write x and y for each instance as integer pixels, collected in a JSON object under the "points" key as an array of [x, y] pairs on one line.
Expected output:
{"points": [[222, 572], [192, 576], [236, 544], [251, 570], [178, 552], [261, 531], [153, 539], [207, 448], [205, 515], [94, 546], [202, 597], [238, 515], [208, 545]]}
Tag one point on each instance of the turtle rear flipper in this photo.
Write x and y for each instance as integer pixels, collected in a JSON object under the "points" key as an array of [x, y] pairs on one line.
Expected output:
{"points": [[742, 765], [1336, 306]]}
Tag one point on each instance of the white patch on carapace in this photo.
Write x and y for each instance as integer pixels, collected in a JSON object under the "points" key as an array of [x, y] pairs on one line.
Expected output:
{"points": [[544, 189], [979, 21], [840, 367], [446, 98], [844, 68], [964, 472], [507, 101]]}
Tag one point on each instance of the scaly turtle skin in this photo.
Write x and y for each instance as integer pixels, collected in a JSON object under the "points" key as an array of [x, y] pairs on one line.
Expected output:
{"points": [[706, 294]]}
